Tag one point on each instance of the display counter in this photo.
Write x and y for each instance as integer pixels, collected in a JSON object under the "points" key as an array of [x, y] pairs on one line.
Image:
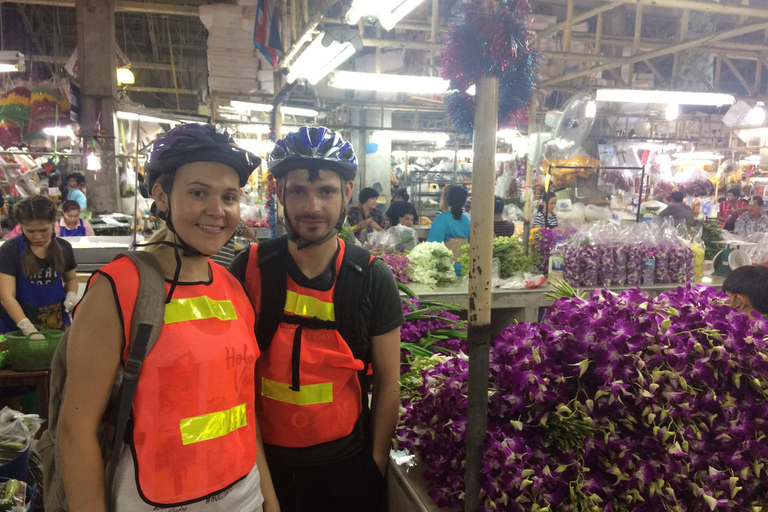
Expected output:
{"points": [[509, 306]]}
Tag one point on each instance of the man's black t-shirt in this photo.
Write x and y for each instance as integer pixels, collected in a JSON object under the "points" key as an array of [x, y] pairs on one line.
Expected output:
{"points": [[387, 311], [10, 262]]}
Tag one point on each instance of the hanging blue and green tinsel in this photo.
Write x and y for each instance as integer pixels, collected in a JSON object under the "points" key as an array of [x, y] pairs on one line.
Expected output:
{"points": [[483, 44]]}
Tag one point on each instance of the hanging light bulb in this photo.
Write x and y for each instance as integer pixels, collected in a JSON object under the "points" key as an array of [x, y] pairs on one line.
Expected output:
{"points": [[756, 116], [92, 161], [672, 112]]}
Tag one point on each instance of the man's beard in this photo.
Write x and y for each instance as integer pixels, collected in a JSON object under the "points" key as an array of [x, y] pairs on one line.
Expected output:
{"points": [[312, 234]]}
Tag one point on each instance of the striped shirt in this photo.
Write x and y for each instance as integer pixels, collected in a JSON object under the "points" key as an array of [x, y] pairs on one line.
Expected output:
{"points": [[227, 253], [542, 221]]}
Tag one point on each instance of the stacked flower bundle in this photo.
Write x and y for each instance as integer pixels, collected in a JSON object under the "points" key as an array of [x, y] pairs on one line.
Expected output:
{"points": [[14, 116], [431, 263], [47, 108], [613, 403], [510, 253], [542, 241], [398, 264]]}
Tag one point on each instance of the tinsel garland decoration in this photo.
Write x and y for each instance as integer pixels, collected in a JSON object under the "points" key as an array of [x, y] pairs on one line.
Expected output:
{"points": [[271, 207], [490, 44]]}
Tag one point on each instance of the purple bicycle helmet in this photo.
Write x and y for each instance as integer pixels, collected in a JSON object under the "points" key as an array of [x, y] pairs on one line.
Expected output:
{"points": [[313, 148], [197, 142]]}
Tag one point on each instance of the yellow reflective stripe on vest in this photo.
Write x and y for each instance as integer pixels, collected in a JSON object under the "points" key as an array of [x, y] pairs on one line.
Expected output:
{"points": [[213, 425], [307, 395], [305, 305], [199, 308]]}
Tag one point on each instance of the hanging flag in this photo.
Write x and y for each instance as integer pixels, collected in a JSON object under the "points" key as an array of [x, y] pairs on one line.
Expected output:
{"points": [[266, 32]]}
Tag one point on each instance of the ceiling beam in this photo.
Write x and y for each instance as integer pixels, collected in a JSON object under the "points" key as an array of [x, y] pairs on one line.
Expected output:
{"points": [[696, 71], [578, 18], [737, 74], [198, 63], [164, 90], [675, 48], [148, 8]]}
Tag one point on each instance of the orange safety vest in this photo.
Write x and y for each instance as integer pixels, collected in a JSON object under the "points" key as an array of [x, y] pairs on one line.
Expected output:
{"points": [[194, 428], [308, 377]]}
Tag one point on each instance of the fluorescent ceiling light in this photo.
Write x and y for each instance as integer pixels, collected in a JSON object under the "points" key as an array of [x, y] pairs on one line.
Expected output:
{"points": [[676, 97], [246, 106], [388, 83], [11, 62], [388, 12], [60, 131], [260, 129], [436, 137], [392, 11], [134, 116], [672, 112], [256, 146], [699, 155], [317, 60]]}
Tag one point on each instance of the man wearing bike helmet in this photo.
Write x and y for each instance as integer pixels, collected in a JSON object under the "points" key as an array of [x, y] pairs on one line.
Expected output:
{"points": [[328, 324]]}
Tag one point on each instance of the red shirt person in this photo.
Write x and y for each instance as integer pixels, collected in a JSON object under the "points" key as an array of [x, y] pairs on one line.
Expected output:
{"points": [[731, 209]]}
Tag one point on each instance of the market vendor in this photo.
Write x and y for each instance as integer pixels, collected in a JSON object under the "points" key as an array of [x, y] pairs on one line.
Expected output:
{"points": [[38, 284], [545, 216], [404, 215], [452, 227], [747, 290], [501, 226], [731, 209], [754, 220], [678, 210], [70, 223], [366, 218], [76, 189]]}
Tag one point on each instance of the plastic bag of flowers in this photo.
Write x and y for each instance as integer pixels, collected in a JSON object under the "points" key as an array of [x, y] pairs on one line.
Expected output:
{"points": [[617, 402], [431, 263]]}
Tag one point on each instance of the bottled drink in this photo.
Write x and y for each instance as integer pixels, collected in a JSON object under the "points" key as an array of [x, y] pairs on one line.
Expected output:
{"points": [[650, 269], [557, 262]]}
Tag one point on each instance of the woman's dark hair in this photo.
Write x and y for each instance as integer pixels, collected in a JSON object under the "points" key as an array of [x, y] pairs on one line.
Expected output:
{"points": [[752, 281], [457, 198], [53, 178], [677, 196], [545, 200], [68, 206], [366, 194], [735, 192], [33, 209], [498, 205], [401, 193]]}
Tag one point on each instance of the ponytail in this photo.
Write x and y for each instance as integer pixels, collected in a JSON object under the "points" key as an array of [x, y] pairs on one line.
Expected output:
{"points": [[457, 197], [39, 208]]}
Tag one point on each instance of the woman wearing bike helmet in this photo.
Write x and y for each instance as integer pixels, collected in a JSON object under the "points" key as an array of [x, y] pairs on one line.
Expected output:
{"points": [[327, 312], [193, 443]]}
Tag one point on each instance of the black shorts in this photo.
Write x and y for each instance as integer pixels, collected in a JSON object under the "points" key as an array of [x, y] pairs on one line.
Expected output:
{"points": [[351, 485]]}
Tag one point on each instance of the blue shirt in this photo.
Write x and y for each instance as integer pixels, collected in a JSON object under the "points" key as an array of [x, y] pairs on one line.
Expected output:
{"points": [[446, 227], [79, 197]]}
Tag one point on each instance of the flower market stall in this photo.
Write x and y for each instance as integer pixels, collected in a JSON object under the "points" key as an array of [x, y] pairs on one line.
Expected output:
{"points": [[614, 402]]}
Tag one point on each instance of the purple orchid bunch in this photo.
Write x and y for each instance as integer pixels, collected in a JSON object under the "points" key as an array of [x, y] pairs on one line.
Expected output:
{"points": [[617, 402], [542, 243], [398, 264]]}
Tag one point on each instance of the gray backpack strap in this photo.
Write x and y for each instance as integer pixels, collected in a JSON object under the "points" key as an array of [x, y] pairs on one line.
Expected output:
{"points": [[146, 322]]}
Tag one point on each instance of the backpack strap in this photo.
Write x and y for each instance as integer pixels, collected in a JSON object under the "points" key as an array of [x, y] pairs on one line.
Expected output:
{"points": [[272, 256], [146, 322], [349, 297]]}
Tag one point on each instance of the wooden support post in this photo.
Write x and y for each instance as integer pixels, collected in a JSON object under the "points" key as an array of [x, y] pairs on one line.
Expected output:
{"points": [[294, 7], [599, 34], [433, 36], [98, 74], [758, 77], [682, 37], [567, 33], [480, 265], [527, 189], [737, 74], [718, 71]]}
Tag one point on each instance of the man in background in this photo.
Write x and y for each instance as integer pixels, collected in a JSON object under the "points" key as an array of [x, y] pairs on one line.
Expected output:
{"points": [[754, 220], [679, 211], [730, 209]]}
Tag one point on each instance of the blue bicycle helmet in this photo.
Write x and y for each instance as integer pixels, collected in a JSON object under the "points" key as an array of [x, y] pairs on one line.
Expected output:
{"points": [[313, 148], [196, 142]]}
